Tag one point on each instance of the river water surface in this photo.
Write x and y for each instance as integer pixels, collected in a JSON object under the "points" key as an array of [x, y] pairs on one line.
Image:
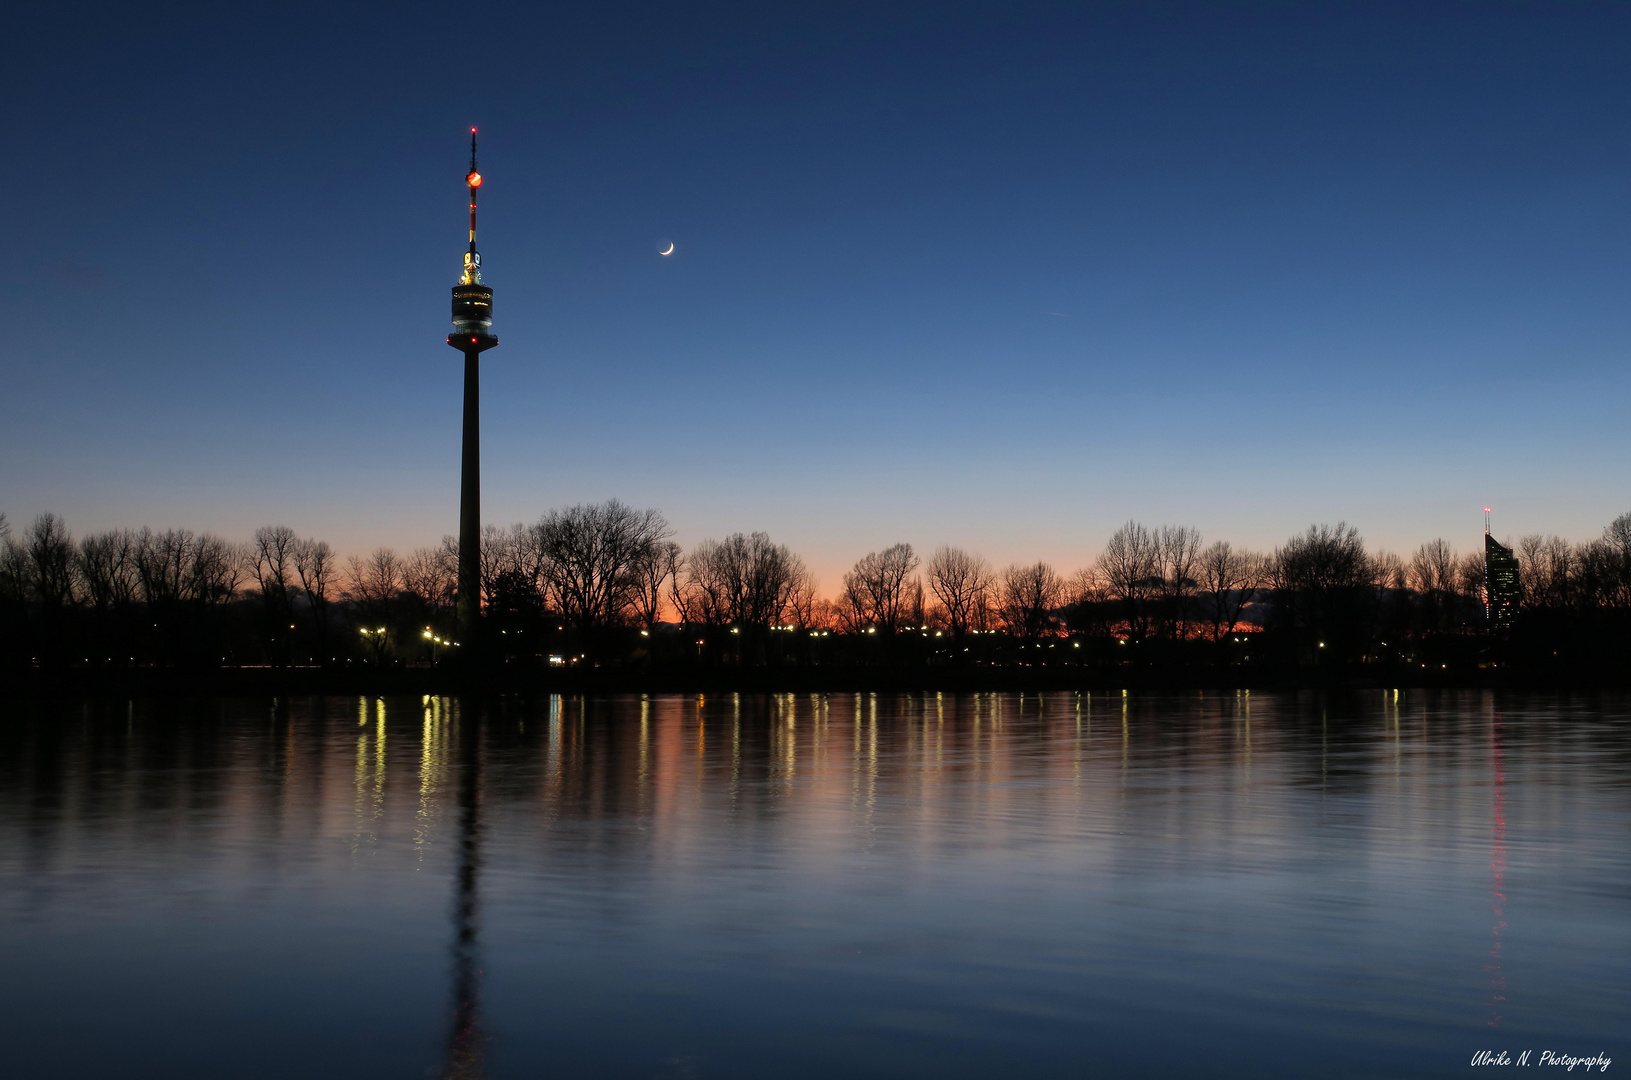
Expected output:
{"points": [[1377, 883]]}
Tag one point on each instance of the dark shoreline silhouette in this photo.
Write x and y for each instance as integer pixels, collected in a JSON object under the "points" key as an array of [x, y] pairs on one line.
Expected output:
{"points": [[598, 596]]}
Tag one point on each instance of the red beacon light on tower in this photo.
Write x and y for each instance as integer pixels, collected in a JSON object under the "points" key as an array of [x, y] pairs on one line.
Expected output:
{"points": [[474, 179]]}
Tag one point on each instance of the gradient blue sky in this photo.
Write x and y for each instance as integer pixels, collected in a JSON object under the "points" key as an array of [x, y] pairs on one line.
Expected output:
{"points": [[1002, 276]]}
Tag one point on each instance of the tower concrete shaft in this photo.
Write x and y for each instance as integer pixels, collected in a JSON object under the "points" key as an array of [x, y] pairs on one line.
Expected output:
{"points": [[472, 335], [468, 607]]}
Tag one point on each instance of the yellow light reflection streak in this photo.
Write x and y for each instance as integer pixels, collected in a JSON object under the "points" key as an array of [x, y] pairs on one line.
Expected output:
{"points": [[642, 781], [379, 761]]}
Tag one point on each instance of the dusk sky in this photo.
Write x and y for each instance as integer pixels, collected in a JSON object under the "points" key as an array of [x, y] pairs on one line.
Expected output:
{"points": [[1001, 276]]}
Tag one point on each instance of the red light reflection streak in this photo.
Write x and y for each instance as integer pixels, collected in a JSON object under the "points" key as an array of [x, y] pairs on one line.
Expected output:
{"points": [[1497, 871]]}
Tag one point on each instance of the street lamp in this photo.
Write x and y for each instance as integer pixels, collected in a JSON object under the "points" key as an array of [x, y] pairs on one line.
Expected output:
{"points": [[376, 638], [431, 637]]}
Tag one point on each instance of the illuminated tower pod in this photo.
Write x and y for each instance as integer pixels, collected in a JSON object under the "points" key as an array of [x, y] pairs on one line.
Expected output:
{"points": [[472, 335]]}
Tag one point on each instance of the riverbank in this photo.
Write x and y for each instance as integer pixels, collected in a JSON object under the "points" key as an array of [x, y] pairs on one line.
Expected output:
{"points": [[268, 681]]}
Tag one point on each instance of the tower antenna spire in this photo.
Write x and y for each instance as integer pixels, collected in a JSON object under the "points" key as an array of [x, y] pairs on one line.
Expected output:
{"points": [[472, 258]]}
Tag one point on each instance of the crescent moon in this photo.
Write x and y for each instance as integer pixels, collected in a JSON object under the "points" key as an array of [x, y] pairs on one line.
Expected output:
{"points": [[670, 250]]}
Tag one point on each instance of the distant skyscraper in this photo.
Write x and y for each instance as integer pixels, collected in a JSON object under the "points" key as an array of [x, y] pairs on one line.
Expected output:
{"points": [[1500, 582], [472, 335]]}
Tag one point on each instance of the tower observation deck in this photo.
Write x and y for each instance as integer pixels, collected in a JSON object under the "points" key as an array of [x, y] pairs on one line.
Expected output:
{"points": [[472, 335]]}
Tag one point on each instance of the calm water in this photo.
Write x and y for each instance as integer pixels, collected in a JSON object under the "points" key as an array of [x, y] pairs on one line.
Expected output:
{"points": [[834, 885]]}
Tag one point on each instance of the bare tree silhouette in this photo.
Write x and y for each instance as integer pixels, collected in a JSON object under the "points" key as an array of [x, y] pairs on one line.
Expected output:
{"points": [[655, 565], [1229, 580], [372, 586], [593, 554], [745, 581], [51, 561], [875, 591], [1027, 596], [961, 581], [1321, 583], [315, 565], [1129, 571], [1177, 549], [107, 567], [274, 556]]}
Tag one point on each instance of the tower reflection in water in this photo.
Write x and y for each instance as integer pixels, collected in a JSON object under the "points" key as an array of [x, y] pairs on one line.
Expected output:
{"points": [[466, 1040]]}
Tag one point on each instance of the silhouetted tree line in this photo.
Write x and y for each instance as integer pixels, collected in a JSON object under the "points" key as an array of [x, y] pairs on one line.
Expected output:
{"points": [[605, 584]]}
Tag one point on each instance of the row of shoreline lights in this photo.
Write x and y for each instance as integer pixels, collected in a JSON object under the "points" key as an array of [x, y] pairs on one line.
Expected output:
{"points": [[380, 632], [427, 635]]}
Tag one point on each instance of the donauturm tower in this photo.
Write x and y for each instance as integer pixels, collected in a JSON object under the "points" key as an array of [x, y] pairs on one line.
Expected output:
{"points": [[472, 335]]}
